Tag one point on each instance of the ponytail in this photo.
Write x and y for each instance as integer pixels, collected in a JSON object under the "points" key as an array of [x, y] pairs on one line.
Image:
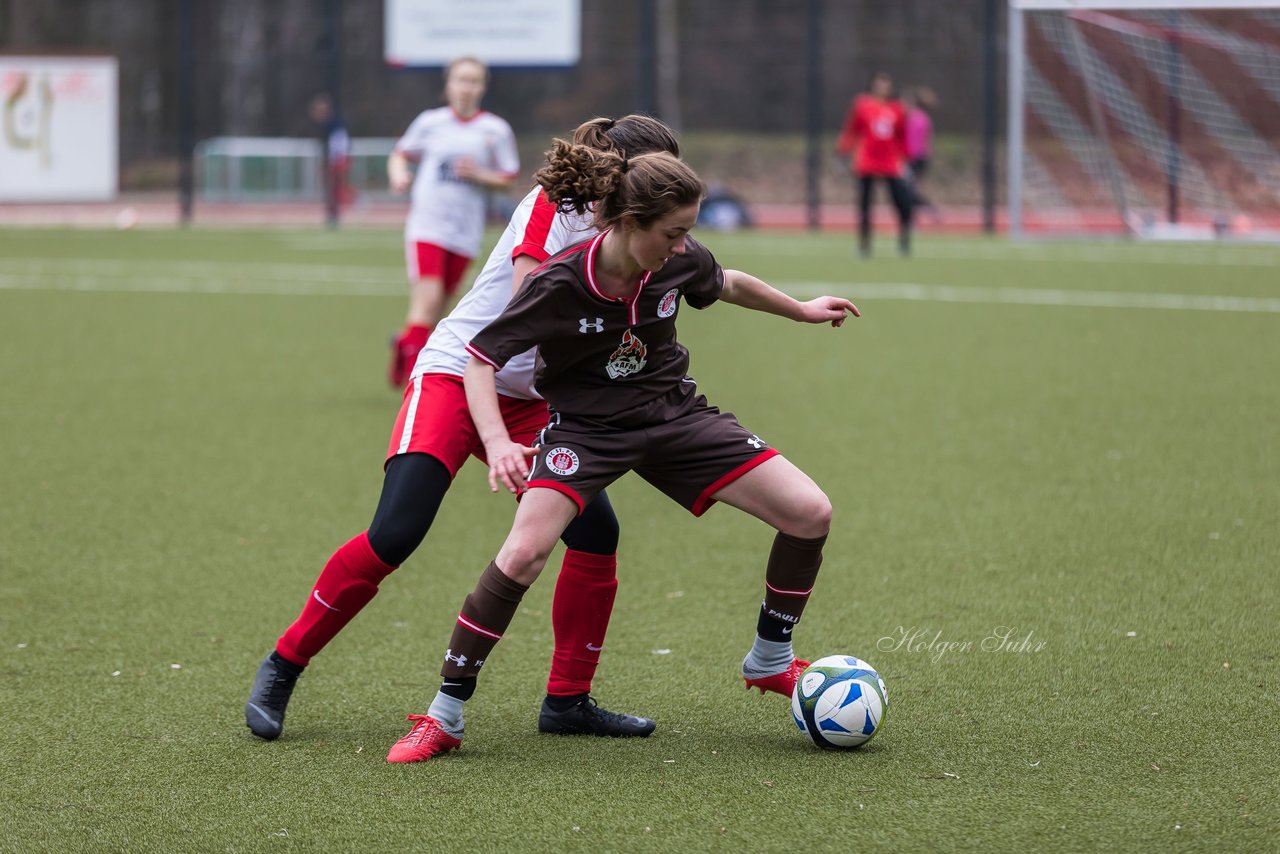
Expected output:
{"points": [[645, 187]]}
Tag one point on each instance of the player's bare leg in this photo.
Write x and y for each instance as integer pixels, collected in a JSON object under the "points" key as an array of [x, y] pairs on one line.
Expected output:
{"points": [[542, 516], [781, 495], [427, 300]]}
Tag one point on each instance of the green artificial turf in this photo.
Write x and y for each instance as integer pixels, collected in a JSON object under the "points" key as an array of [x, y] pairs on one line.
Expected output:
{"points": [[193, 421]]}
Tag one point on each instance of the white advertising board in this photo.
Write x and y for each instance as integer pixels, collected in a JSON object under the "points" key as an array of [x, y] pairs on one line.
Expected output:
{"points": [[504, 33], [59, 128]]}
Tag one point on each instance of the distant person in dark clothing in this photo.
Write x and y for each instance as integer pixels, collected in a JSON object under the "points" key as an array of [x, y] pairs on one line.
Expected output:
{"points": [[919, 142], [874, 136], [337, 157]]}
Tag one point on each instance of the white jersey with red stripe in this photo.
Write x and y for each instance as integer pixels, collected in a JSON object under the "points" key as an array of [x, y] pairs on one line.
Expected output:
{"points": [[536, 230], [446, 209]]}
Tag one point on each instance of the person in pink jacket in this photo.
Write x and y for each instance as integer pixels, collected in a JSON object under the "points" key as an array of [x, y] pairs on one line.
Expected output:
{"points": [[918, 142]]}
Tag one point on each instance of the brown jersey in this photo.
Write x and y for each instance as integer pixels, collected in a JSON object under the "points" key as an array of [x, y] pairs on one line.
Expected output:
{"points": [[610, 361]]}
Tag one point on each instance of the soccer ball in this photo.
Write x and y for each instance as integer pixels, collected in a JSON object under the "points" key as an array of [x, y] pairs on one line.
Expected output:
{"points": [[839, 702]]}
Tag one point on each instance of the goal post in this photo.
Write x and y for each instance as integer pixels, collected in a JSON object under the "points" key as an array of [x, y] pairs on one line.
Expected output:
{"points": [[1158, 119]]}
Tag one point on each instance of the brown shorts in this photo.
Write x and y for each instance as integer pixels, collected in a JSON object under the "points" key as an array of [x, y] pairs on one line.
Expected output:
{"points": [[688, 458]]}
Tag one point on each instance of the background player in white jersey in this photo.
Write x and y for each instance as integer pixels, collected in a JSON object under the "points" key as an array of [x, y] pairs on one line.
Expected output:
{"points": [[433, 437], [461, 152]]}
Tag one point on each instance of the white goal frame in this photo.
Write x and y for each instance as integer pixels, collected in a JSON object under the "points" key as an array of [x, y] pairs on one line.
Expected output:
{"points": [[1016, 53]]}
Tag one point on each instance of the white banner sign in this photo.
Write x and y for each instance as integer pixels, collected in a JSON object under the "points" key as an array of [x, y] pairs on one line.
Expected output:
{"points": [[59, 128], [523, 33]]}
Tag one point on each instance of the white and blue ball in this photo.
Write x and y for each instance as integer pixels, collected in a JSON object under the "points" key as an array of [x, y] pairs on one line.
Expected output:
{"points": [[839, 702]]}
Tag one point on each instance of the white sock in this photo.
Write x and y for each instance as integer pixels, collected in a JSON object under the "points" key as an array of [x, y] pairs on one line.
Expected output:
{"points": [[448, 712], [767, 658]]}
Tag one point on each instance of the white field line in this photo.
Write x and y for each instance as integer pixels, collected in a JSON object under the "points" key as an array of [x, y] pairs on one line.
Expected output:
{"points": [[1207, 256], [183, 277], [319, 280], [345, 242], [85, 282], [1037, 296], [112, 267]]}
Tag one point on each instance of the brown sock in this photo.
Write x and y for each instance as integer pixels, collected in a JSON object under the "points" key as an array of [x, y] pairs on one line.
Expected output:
{"points": [[486, 613], [788, 580]]}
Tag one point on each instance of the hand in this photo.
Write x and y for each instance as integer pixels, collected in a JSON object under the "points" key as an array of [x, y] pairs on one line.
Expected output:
{"points": [[399, 176], [509, 463], [831, 310], [465, 168]]}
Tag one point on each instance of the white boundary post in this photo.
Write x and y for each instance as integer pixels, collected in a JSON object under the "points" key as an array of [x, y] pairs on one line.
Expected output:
{"points": [[1017, 118]]}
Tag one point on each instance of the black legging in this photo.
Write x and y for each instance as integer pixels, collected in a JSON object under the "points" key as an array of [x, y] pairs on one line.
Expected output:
{"points": [[918, 170], [415, 485], [903, 200]]}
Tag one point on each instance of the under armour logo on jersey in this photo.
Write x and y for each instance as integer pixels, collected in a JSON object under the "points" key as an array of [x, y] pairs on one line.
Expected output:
{"points": [[585, 325], [756, 442], [460, 660]]}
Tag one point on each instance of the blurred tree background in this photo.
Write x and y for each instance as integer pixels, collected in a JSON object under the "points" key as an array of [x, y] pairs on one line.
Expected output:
{"points": [[732, 75]]}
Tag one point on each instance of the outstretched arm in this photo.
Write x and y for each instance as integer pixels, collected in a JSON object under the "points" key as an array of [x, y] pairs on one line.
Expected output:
{"points": [[508, 460], [398, 174], [749, 292], [850, 132]]}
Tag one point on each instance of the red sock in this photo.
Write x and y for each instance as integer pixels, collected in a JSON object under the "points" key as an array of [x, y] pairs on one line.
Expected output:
{"points": [[346, 584], [413, 339], [580, 613], [404, 352]]}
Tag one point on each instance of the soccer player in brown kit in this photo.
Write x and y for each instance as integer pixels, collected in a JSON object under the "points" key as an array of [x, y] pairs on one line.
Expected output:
{"points": [[433, 437], [603, 317]]}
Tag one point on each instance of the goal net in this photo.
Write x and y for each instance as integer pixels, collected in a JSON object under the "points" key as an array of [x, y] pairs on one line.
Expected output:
{"points": [[1159, 120]]}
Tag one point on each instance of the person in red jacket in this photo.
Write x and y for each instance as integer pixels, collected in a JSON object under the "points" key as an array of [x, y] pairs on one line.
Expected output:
{"points": [[874, 136]]}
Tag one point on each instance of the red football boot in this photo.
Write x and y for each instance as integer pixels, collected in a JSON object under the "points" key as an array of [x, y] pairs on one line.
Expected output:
{"points": [[425, 740], [783, 683]]}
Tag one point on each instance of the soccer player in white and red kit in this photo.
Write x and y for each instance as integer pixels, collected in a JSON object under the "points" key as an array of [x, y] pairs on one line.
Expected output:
{"points": [[874, 134], [433, 437], [603, 317], [461, 152]]}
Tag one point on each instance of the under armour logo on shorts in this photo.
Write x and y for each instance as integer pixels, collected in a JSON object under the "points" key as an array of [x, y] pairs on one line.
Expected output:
{"points": [[756, 442]]}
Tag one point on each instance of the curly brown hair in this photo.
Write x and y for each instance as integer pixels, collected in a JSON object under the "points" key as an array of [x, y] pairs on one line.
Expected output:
{"points": [[645, 188]]}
